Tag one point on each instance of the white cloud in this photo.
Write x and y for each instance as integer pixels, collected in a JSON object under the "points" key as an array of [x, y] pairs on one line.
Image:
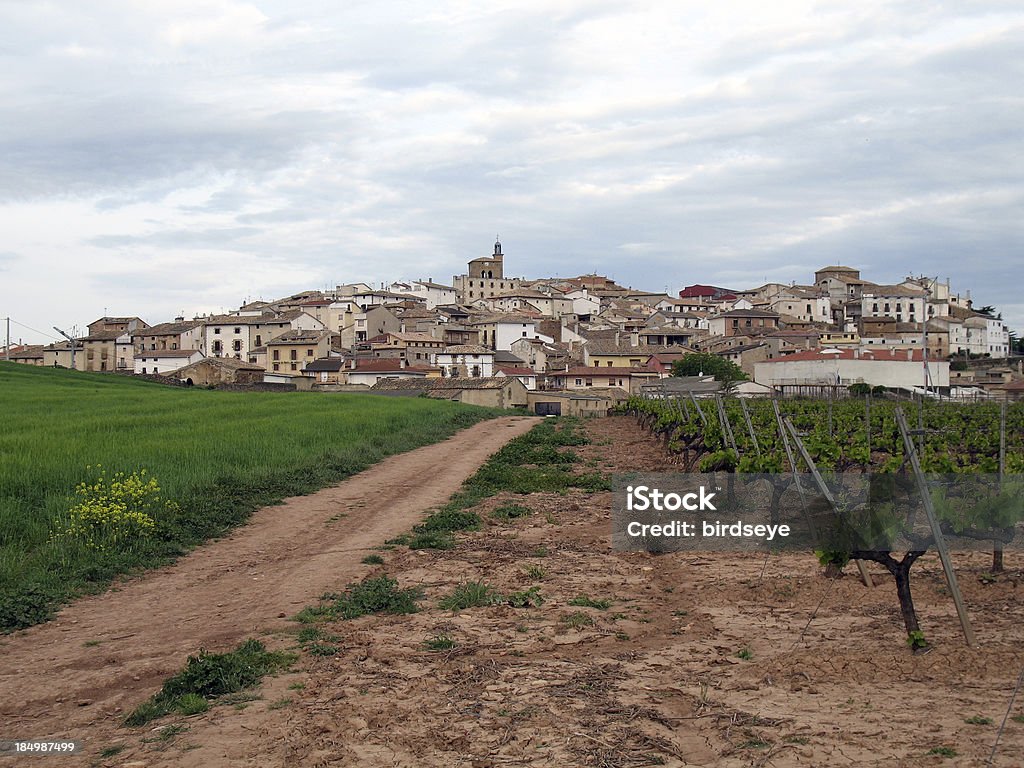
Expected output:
{"points": [[268, 146]]}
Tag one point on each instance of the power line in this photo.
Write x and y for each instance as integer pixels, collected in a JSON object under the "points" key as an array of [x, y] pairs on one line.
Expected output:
{"points": [[36, 330]]}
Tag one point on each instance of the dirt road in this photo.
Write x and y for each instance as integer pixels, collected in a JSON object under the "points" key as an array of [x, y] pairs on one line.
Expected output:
{"points": [[103, 655]]}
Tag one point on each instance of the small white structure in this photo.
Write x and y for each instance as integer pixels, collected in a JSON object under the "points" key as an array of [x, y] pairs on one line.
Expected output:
{"points": [[166, 360]]}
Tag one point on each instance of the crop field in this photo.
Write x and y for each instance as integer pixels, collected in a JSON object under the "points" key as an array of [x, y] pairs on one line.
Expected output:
{"points": [[159, 470]]}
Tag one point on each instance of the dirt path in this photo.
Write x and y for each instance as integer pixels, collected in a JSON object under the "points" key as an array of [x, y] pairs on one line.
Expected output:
{"points": [[104, 655]]}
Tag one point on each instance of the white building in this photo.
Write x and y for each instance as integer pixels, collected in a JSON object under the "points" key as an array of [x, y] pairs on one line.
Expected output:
{"points": [[166, 360], [431, 293], [836, 367], [466, 361]]}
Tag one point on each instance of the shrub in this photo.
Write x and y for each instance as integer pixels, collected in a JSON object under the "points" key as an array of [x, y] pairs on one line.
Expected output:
{"points": [[373, 560], [527, 598], [585, 601], [209, 675], [115, 511], [472, 594]]}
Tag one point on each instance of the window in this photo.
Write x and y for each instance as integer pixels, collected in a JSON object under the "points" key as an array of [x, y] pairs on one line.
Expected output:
{"points": [[238, 330], [579, 382], [294, 366], [216, 348], [143, 370], [309, 353], [259, 339], [590, 382], [608, 364], [809, 310], [293, 354], [277, 356], [524, 334], [216, 331], [174, 345], [874, 307], [277, 366], [887, 306], [237, 345]]}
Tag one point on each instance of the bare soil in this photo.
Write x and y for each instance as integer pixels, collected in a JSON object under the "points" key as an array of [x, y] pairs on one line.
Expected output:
{"points": [[722, 660]]}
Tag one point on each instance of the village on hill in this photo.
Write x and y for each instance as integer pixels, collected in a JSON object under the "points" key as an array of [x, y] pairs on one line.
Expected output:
{"points": [[572, 346]]}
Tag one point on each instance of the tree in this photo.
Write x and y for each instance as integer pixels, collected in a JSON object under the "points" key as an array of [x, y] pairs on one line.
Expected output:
{"points": [[726, 372]]}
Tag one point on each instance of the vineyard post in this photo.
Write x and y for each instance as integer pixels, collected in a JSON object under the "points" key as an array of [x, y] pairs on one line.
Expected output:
{"points": [[867, 427], [920, 425], [686, 408], [997, 546], [830, 412], [750, 426], [700, 411], [940, 541], [723, 419], [864, 575], [792, 465]]}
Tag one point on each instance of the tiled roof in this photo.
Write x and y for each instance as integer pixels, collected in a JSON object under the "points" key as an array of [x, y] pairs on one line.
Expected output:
{"points": [[155, 353], [297, 337], [167, 329]]}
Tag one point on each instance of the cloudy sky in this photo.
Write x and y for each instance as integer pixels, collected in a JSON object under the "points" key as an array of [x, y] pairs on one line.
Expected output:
{"points": [[184, 155]]}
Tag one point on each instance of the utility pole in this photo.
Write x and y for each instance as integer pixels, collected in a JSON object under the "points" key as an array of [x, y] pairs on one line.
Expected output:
{"points": [[69, 338], [7, 349]]}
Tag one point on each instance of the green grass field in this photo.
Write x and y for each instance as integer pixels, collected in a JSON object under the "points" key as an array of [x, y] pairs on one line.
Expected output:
{"points": [[219, 455]]}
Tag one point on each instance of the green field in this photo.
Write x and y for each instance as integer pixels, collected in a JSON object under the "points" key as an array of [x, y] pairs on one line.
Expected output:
{"points": [[218, 455]]}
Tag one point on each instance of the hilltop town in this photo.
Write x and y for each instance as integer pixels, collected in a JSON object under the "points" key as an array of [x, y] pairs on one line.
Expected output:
{"points": [[568, 345]]}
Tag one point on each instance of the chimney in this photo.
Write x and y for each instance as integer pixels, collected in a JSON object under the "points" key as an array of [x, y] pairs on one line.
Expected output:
{"points": [[634, 339], [616, 338], [910, 354], [352, 364], [401, 363]]}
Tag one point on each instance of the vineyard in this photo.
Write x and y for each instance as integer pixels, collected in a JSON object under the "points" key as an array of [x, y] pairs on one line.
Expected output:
{"points": [[855, 434], [870, 437]]}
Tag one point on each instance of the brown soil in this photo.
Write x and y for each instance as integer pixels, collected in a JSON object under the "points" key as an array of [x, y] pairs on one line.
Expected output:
{"points": [[722, 660]]}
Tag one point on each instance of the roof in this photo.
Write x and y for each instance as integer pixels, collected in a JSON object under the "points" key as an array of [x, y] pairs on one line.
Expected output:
{"points": [[27, 351], [593, 370], [103, 336], [747, 313], [466, 349], [606, 347], [297, 337], [698, 290], [507, 358], [837, 268], [326, 364], [430, 284], [740, 348], [386, 365], [513, 370], [872, 355], [892, 290], [226, 362], [167, 329]]}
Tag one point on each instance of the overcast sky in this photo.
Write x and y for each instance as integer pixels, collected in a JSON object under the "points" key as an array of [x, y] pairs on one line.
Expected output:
{"points": [[177, 155]]}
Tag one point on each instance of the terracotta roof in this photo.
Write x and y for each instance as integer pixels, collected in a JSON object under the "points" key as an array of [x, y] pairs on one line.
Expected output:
{"points": [[623, 348], [512, 370]]}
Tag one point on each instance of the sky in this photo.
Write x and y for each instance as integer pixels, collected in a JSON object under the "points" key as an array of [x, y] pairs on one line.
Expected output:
{"points": [[183, 156]]}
